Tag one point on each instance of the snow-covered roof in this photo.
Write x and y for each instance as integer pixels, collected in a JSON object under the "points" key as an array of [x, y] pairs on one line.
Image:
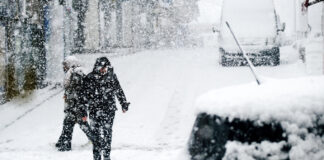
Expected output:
{"points": [[297, 100]]}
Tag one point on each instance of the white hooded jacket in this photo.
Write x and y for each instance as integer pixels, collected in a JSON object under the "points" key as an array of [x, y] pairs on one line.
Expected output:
{"points": [[74, 66]]}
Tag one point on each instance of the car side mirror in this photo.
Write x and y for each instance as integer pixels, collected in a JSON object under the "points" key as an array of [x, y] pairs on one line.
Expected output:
{"points": [[283, 27]]}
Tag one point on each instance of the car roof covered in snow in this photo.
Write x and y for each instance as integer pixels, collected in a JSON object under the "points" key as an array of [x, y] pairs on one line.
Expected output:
{"points": [[293, 100]]}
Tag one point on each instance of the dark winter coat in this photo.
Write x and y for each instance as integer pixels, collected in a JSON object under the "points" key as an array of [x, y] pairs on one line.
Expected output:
{"points": [[102, 89], [74, 93]]}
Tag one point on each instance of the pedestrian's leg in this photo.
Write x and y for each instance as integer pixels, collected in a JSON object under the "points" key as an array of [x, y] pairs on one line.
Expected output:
{"points": [[65, 129], [93, 137], [85, 127], [66, 136], [59, 143], [62, 138], [95, 127], [107, 131]]}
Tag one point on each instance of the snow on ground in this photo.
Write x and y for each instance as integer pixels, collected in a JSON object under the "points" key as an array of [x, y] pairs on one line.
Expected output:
{"points": [[23, 105], [162, 87]]}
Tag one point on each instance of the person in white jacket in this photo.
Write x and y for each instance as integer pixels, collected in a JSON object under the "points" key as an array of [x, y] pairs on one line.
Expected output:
{"points": [[74, 104]]}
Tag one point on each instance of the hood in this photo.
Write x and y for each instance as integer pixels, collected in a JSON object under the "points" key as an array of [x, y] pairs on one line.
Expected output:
{"points": [[72, 62], [101, 62]]}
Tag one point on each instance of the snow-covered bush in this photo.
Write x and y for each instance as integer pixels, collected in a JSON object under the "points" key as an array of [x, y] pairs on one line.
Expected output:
{"points": [[296, 105]]}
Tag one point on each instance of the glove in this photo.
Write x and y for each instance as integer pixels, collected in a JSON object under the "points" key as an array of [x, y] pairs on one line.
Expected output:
{"points": [[125, 106]]}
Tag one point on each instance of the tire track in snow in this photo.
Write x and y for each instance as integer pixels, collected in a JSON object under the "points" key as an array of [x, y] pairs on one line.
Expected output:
{"points": [[168, 135], [171, 121], [30, 110], [179, 116], [6, 141]]}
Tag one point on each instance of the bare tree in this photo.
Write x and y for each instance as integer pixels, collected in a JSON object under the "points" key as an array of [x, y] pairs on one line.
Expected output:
{"points": [[81, 7]]}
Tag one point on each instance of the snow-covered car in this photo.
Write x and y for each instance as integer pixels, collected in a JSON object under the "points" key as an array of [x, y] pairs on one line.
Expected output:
{"points": [[257, 27], [280, 119]]}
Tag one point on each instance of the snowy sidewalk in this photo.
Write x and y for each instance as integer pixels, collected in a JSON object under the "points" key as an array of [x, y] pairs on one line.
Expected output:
{"points": [[19, 108]]}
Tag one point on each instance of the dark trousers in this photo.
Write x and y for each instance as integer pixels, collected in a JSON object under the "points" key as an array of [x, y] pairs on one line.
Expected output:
{"points": [[64, 142], [101, 126]]}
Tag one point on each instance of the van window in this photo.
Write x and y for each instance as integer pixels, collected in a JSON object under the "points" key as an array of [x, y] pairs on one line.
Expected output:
{"points": [[249, 18]]}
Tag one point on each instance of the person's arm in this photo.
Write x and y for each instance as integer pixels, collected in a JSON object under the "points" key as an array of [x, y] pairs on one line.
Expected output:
{"points": [[79, 88], [120, 94], [88, 91]]}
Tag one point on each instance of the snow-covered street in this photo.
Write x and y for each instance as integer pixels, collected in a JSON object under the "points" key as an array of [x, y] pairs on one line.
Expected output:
{"points": [[183, 73], [162, 87]]}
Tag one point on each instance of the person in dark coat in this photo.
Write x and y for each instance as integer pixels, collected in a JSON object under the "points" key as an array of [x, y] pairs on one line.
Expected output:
{"points": [[74, 107], [103, 88]]}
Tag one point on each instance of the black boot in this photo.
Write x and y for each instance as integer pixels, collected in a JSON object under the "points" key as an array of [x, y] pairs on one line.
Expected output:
{"points": [[66, 146], [58, 144], [106, 155], [96, 153]]}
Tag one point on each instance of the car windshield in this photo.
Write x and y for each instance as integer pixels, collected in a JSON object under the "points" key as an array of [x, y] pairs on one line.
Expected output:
{"points": [[250, 19]]}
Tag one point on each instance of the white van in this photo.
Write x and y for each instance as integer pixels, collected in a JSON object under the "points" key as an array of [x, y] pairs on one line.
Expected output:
{"points": [[257, 27]]}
